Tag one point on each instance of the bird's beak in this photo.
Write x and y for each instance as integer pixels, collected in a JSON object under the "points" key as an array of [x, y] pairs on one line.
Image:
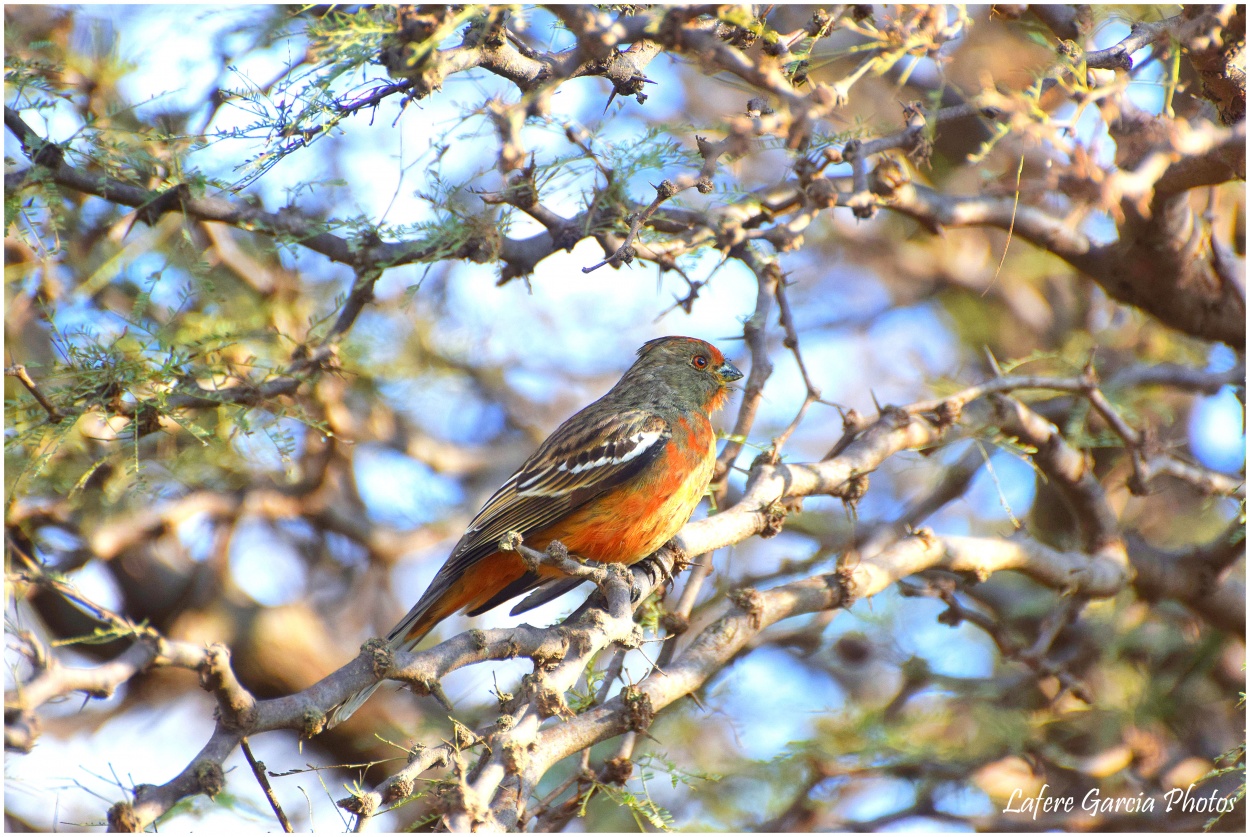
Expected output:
{"points": [[728, 372]]}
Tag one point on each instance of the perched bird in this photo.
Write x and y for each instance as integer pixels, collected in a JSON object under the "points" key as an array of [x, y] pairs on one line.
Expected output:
{"points": [[613, 483]]}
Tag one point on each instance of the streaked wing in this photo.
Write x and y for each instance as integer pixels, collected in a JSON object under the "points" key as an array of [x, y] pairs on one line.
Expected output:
{"points": [[585, 457]]}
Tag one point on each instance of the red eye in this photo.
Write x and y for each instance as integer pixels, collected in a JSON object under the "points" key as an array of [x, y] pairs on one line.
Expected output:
{"points": [[699, 362]]}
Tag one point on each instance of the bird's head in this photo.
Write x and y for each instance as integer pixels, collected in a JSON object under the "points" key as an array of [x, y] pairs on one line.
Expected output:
{"points": [[692, 369]]}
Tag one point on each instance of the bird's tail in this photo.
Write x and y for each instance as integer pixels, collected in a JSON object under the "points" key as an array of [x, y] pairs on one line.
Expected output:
{"points": [[404, 637], [450, 591], [345, 709]]}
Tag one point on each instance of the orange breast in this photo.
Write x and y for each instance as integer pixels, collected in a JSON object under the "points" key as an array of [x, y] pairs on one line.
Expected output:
{"points": [[632, 521]]}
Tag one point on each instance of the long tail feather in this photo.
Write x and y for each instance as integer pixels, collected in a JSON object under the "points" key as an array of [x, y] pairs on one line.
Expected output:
{"points": [[345, 709], [399, 640]]}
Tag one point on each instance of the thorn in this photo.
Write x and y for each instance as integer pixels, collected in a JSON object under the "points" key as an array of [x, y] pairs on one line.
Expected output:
{"points": [[993, 361], [436, 689], [1089, 372]]}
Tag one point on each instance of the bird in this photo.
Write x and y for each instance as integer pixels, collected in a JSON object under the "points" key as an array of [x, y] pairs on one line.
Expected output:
{"points": [[613, 483]]}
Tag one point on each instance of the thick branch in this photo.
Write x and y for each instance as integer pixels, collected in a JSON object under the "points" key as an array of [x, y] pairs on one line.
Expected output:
{"points": [[1130, 271], [754, 610]]}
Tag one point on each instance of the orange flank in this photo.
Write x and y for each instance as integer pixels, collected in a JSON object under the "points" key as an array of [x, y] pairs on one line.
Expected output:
{"points": [[624, 525], [630, 522]]}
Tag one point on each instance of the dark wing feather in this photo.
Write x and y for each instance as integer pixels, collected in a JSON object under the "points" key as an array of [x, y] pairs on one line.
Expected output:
{"points": [[545, 592], [526, 582], [545, 589], [591, 453]]}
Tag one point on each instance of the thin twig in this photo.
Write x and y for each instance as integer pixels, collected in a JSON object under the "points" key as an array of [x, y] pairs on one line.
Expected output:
{"points": [[19, 371], [1053, 623], [755, 332], [791, 342], [711, 152], [258, 770]]}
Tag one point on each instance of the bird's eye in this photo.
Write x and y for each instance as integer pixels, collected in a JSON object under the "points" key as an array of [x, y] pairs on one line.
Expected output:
{"points": [[699, 362]]}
